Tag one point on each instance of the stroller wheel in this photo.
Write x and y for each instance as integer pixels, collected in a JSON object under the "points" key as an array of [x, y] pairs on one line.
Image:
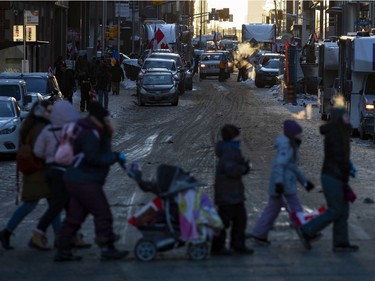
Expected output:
{"points": [[145, 250], [198, 251]]}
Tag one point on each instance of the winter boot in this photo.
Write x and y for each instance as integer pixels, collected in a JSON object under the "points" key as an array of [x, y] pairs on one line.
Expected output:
{"points": [[66, 255], [38, 241], [5, 239], [79, 243], [111, 253]]}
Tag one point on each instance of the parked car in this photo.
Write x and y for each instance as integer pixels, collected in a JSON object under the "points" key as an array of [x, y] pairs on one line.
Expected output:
{"points": [[267, 74], [264, 57], [16, 88], [157, 87], [159, 64], [44, 83], [186, 79], [209, 64], [10, 124]]}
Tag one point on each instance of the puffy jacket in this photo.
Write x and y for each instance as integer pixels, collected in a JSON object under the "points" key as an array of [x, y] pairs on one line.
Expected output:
{"points": [[95, 145], [117, 73], [46, 144], [229, 188], [34, 185], [285, 168]]}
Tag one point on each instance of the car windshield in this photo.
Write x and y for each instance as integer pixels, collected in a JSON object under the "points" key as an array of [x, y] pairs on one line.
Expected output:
{"points": [[10, 91], [159, 64], [272, 64], [6, 109], [157, 80], [168, 56], [36, 85], [370, 86]]}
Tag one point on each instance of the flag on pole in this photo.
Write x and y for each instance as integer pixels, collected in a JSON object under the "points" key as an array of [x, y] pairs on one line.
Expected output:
{"points": [[115, 54], [215, 40], [159, 35]]}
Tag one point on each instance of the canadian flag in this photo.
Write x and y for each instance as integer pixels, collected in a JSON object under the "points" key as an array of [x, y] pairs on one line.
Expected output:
{"points": [[160, 40]]}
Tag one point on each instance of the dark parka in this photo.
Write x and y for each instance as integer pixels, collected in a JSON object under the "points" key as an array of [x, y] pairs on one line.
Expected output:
{"points": [[117, 74], [95, 144], [336, 147], [229, 188]]}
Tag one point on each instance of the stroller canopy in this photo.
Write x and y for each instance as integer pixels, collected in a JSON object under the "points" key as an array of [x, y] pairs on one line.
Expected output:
{"points": [[172, 179]]}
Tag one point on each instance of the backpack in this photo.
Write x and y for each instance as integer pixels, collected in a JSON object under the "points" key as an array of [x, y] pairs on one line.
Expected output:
{"points": [[27, 162], [65, 152]]}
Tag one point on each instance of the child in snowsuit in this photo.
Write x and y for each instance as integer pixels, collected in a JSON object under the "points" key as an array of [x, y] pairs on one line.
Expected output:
{"points": [[284, 176], [229, 193]]}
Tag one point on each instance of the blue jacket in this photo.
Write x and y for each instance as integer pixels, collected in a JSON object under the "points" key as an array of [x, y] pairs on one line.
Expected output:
{"points": [[95, 144], [285, 167]]}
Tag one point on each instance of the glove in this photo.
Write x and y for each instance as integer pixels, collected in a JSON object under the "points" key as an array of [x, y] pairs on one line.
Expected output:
{"points": [[121, 158], [135, 172], [309, 186], [353, 170], [279, 188]]}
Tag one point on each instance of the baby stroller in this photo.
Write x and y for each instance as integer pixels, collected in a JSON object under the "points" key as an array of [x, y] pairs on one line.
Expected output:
{"points": [[170, 221]]}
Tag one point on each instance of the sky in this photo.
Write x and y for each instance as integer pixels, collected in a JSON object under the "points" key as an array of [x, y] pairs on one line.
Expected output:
{"points": [[244, 11]]}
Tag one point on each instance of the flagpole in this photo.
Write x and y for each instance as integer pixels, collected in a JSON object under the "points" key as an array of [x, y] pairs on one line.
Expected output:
{"points": [[118, 29]]}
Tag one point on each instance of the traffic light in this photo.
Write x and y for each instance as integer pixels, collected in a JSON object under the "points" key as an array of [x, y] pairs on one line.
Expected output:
{"points": [[112, 32], [224, 14]]}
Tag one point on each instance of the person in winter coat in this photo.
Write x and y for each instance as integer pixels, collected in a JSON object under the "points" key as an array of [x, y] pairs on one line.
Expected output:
{"points": [[84, 180], [84, 77], [336, 170], [34, 185], [283, 182], [62, 112], [67, 83], [222, 67], [230, 193], [102, 81], [117, 75]]}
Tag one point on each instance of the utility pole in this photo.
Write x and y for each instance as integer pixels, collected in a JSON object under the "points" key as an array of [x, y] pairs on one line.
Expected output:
{"points": [[276, 19], [25, 62], [200, 29], [118, 29]]}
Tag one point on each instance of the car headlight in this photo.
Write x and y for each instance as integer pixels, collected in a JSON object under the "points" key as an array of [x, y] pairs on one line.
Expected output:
{"points": [[370, 107], [203, 65], [8, 131]]}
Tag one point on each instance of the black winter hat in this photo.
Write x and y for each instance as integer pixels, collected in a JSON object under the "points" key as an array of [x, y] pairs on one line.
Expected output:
{"points": [[229, 132], [98, 111], [292, 128]]}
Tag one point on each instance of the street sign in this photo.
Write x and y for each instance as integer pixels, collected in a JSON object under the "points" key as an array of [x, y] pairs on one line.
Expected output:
{"points": [[17, 33], [30, 33], [122, 10], [31, 17]]}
